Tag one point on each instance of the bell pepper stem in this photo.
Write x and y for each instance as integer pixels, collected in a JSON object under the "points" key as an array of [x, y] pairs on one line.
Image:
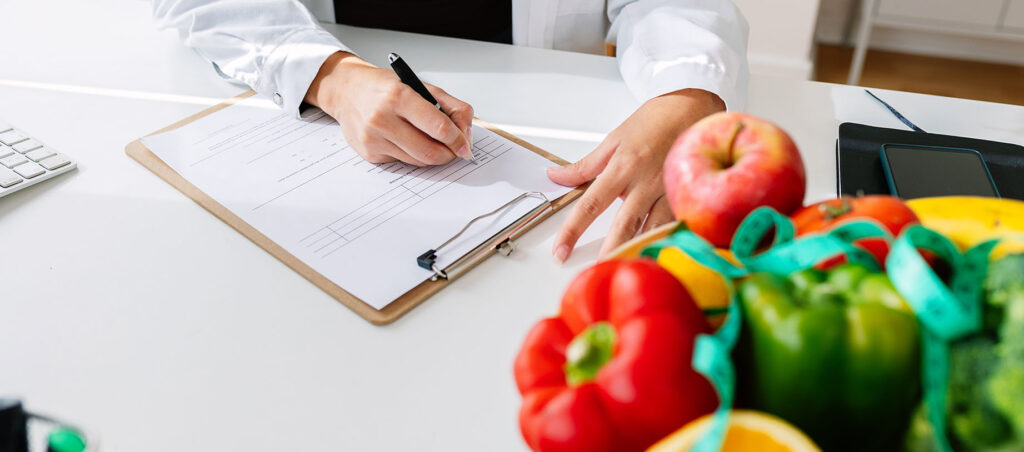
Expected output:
{"points": [[588, 352]]}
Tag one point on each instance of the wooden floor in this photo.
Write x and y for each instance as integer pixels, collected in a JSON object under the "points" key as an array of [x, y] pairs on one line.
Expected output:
{"points": [[923, 74]]}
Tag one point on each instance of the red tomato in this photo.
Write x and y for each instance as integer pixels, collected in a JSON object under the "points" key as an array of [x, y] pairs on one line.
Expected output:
{"points": [[889, 211]]}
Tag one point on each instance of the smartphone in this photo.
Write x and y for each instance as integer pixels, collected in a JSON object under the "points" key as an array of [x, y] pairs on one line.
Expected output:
{"points": [[914, 171]]}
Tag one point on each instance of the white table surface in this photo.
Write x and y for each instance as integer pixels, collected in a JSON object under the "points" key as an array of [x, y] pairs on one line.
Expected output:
{"points": [[128, 308]]}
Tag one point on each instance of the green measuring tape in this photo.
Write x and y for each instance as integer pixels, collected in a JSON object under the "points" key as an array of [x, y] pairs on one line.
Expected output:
{"points": [[946, 312], [788, 255], [711, 354]]}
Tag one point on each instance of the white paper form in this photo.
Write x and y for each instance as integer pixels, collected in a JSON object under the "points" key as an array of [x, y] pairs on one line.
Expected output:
{"points": [[361, 225]]}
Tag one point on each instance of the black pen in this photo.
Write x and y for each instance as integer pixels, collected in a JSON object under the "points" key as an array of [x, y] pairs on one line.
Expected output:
{"points": [[407, 76]]}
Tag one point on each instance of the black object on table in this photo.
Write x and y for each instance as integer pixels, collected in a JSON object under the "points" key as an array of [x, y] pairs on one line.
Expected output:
{"points": [[13, 426], [859, 167]]}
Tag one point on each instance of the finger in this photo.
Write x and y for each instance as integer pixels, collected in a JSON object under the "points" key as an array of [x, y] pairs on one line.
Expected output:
{"points": [[369, 144], [460, 112], [434, 123], [585, 169], [660, 214], [595, 200], [385, 151], [413, 142], [628, 221]]}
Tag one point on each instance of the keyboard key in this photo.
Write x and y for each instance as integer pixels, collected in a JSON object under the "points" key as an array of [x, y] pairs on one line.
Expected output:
{"points": [[24, 162], [8, 178], [12, 136], [54, 161], [13, 160], [29, 170], [27, 145], [39, 154]]}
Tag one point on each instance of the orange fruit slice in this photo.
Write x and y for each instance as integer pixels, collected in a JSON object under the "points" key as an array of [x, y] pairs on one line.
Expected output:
{"points": [[748, 431]]}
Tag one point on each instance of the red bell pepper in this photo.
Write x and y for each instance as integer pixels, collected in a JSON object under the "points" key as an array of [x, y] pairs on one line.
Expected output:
{"points": [[612, 371]]}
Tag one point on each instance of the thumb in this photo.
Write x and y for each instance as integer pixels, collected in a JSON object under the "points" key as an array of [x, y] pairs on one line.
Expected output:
{"points": [[582, 171]]}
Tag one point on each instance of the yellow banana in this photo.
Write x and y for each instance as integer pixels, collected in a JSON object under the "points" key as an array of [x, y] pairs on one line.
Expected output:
{"points": [[969, 220]]}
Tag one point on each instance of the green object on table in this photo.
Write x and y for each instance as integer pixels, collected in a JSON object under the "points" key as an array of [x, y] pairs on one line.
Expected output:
{"points": [[65, 440], [712, 353], [948, 309], [835, 353], [985, 396], [974, 422]]}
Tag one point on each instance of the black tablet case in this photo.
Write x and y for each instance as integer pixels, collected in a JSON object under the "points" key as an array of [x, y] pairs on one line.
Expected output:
{"points": [[859, 167]]}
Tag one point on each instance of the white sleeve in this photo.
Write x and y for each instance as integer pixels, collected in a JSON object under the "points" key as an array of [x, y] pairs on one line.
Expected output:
{"points": [[274, 46], [668, 45]]}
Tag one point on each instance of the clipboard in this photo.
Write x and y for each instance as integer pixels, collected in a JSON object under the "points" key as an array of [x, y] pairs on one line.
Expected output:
{"points": [[502, 242]]}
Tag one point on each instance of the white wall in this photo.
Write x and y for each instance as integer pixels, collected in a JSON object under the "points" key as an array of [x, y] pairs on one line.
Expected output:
{"points": [[781, 36], [950, 36]]}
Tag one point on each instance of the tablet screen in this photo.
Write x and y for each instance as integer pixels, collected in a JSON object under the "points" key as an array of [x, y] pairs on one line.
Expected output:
{"points": [[919, 172]]}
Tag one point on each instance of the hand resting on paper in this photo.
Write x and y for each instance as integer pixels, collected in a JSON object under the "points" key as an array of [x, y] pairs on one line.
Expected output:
{"points": [[629, 162], [385, 120]]}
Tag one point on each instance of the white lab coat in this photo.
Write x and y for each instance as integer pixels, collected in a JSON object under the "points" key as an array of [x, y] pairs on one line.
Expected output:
{"points": [[276, 46]]}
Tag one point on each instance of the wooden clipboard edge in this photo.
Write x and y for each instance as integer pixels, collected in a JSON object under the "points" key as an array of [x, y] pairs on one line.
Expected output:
{"points": [[394, 310]]}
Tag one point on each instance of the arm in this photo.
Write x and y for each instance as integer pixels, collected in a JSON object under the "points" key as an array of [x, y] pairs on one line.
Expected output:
{"points": [[274, 46], [669, 45], [685, 59], [278, 48]]}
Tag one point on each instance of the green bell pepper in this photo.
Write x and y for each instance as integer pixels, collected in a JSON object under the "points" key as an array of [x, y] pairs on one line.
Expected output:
{"points": [[835, 353]]}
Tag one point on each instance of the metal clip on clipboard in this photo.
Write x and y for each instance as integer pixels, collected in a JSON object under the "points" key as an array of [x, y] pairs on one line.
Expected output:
{"points": [[501, 242]]}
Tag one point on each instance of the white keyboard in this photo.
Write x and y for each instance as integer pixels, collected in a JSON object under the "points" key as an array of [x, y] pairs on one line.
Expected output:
{"points": [[25, 161]]}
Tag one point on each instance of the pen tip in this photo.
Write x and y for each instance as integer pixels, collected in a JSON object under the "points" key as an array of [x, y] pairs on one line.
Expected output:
{"points": [[392, 57]]}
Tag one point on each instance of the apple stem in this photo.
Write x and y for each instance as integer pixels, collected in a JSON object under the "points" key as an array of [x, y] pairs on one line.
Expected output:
{"points": [[732, 142]]}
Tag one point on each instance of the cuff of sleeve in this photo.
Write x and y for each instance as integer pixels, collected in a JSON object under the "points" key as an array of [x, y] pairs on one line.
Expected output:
{"points": [[293, 64], [656, 78]]}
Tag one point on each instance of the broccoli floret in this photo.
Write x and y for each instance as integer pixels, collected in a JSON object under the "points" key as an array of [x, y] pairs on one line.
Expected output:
{"points": [[1005, 280], [975, 424], [1006, 386], [985, 410], [1004, 283]]}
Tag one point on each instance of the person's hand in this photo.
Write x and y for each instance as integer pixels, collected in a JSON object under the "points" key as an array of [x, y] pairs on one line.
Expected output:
{"points": [[630, 162], [384, 119]]}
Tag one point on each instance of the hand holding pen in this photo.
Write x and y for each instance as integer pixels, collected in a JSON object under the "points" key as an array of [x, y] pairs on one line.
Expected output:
{"points": [[385, 120], [409, 77]]}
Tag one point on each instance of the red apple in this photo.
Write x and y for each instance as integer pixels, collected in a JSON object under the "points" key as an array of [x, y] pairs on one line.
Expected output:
{"points": [[725, 166]]}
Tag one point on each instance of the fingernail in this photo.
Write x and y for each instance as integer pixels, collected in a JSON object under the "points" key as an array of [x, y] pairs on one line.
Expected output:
{"points": [[464, 152], [561, 253], [469, 134]]}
